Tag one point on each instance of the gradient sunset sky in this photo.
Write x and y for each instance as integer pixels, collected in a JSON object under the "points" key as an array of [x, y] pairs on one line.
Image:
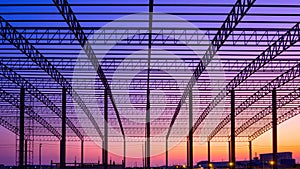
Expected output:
{"points": [[288, 140], [288, 137]]}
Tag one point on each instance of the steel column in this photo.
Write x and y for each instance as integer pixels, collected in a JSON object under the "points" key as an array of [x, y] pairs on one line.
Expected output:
{"points": [[187, 152], [26, 151], [22, 132], [208, 154], [124, 153], [232, 130], [191, 129], [105, 129], [63, 130], [103, 156], [40, 156], [151, 2], [274, 125], [229, 151], [167, 153], [250, 154], [82, 162], [145, 153]]}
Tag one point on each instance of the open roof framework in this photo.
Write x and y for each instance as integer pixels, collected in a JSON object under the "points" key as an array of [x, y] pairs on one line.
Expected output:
{"points": [[255, 43]]}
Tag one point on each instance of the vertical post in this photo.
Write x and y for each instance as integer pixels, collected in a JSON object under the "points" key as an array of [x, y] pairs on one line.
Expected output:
{"points": [[124, 156], [250, 154], [105, 129], [232, 129], [187, 152], [22, 132], [145, 155], [26, 151], [191, 129], [167, 153], [274, 126], [63, 130], [40, 156], [229, 151], [103, 156], [82, 152], [151, 2], [208, 154]]}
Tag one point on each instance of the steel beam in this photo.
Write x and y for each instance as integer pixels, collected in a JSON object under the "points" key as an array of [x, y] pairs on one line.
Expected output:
{"points": [[22, 132], [284, 117], [7, 97], [236, 14], [15, 38], [282, 44], [63, 130], [61, 36], [70, 18], [6, 124], [66, 65], [268, 110], [274, 126]]}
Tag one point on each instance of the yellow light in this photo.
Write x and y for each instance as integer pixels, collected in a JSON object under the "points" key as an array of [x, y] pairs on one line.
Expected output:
{"points": [[183, 166], [272, 162], [231, 164], [210, 165]]}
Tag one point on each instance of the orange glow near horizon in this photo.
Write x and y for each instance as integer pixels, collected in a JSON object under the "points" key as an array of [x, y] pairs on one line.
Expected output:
{"points": [[288, 139]]}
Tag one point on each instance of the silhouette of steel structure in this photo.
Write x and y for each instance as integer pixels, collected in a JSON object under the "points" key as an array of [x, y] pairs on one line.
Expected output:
{"points": [[252, 52]]}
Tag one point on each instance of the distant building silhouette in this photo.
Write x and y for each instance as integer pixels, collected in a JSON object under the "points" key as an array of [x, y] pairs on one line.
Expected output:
{"points": [[284, 160]]}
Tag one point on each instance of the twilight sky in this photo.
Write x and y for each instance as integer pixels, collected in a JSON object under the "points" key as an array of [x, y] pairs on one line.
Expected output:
{"points": [[287, 139]]}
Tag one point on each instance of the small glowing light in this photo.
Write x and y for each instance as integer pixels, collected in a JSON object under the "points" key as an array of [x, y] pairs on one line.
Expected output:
{"points": [[272, 162], [210, 165], [231, 164], [183, 166]]}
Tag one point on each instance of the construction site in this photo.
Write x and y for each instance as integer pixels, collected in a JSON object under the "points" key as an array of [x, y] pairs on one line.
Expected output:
{"points": [[149, 84]]}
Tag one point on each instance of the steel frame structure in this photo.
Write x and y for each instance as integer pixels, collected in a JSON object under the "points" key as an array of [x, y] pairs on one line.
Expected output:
{"points": [[255, 56]]}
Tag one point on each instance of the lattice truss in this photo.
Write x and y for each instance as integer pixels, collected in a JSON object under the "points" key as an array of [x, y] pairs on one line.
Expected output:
{"points": [[246, 45]]}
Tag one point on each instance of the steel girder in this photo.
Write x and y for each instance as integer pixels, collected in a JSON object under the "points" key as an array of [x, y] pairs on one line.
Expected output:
{"points": [[134, 64], [15, 38], [279, 81], [32, 90], [280, 103], [28, 110], [119, 139], [39, 130], [281, 45], [44, 83], [67, 13], [138, 36], [238, 11], [9, 126], [286, 116]]}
